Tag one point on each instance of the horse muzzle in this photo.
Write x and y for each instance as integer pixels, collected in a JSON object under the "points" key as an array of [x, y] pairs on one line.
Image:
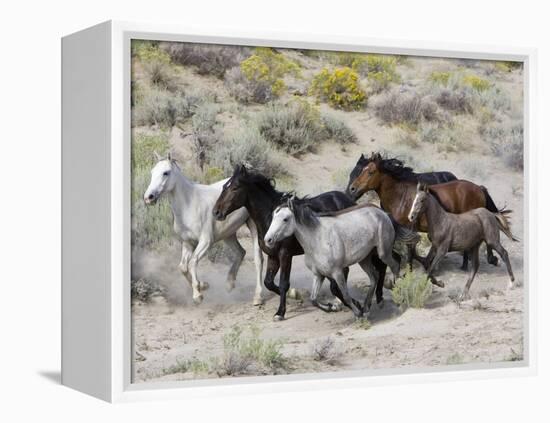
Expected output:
{"points": [[219, 215], [150, 199]]}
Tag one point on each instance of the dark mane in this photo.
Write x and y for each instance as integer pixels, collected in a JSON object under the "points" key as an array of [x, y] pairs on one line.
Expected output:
{"points": [[303, 213], [395, 168], [260, 181]]}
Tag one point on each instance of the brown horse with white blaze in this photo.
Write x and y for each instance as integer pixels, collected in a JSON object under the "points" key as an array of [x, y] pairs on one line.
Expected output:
{"points": [[396, 183]]}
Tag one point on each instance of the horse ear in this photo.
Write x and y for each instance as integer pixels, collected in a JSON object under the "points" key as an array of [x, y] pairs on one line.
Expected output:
{"points": [[169, 157], [425, 187], [157, 156], [419, 186], [243, 169], [362, 157]]}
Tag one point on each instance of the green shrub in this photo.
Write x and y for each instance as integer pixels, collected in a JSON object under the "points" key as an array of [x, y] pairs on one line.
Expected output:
{"points": [[248, 146], [151, 225], [340, 88], [412, 290], [337, 130], [294, 127], [209, 59], [381, 72], [205, 131], [149, 51]]}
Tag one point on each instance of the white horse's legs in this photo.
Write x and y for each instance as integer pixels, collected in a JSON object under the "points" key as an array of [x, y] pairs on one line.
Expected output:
{"points": [[238, 253], [186, 253], [200, 250], [258, 262], [316, 287]]}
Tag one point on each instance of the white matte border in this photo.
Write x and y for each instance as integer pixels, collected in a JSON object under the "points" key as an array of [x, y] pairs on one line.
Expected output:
{"points": [[122, 389]]}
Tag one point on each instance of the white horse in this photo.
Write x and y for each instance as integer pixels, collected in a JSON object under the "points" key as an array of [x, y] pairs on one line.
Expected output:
{"points": [[195, 225], [333, 241]]}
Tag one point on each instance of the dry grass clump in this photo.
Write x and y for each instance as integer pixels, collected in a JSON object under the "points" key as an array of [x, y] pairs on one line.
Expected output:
{"points": [[248, 146], [412, 290], [294, 127], [337, 130], [244, 354], [324, 350], [409, 107], [145, 289], [209, 59], [506, 141]]}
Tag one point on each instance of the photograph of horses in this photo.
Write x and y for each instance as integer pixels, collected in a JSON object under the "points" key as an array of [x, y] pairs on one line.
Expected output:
{"points": [[304, 211]]}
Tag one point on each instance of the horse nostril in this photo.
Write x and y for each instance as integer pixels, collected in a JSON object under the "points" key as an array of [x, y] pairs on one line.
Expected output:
{"points": [[269, 240], [150, 197], [352, 189]]}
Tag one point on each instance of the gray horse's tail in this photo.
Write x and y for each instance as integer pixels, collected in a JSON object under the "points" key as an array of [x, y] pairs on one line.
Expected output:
{"points": [[503, 221], [404, 234]]}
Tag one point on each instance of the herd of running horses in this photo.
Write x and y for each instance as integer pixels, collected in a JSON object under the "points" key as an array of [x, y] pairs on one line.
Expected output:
{"points": [[331, 229]]}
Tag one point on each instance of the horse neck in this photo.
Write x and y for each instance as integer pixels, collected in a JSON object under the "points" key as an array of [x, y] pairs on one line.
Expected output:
{"points": [[260, 205], [434, 213], [182, 194], [394, 195], [307, 237]]}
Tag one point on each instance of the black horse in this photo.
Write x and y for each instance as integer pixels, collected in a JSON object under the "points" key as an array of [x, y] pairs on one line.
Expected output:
{"points": [[428, 178], [257, 193]]}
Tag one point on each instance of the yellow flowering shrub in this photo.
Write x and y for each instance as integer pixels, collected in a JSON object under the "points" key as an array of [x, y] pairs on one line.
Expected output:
{"points": [[269, 67], [440, 77], [477, 83], [340, 88]]}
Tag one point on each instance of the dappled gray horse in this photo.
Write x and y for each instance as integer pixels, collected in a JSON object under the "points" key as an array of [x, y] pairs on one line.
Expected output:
{"points": [[460, 232], [336, 240]]}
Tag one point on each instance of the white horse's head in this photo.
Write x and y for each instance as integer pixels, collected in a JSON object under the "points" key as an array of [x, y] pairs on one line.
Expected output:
{"points": [[162, 180], [282, 226]]}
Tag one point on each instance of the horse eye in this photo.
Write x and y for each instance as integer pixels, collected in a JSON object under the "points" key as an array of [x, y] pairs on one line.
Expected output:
{"points": [[285, 219], [166, 173]]}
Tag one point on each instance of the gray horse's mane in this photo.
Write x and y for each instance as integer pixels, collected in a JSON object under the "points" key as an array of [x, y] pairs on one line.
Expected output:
{"points": [[303, 214]]}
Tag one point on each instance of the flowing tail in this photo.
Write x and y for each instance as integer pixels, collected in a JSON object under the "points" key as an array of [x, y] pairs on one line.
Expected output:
{"points": [[503, 221], [490, 204], [404, 234]]}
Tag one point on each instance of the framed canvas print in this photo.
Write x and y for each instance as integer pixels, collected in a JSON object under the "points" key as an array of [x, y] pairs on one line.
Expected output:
{"points": [[254, 212]]}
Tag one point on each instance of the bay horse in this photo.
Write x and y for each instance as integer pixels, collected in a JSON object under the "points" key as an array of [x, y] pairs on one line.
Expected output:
{"points": [[429, 178], [257, 194], [460, 232], [395, 185], [334, 241], [194, 224]]}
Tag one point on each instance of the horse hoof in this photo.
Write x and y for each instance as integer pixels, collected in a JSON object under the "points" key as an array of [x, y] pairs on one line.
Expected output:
{"points": [[197, 299], [464, 268], [493, 260], [335, 307], [380, 304], [438, 283], [258, 301], [278, 318], [230, 287], [204, 286]]}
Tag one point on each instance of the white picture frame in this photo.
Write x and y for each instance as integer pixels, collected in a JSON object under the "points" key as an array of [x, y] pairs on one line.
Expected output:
{"points": [[96, 320]]}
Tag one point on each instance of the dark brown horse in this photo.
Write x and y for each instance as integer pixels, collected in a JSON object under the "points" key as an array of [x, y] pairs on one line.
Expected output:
{"points": [[257, 194], [395, 185]]}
